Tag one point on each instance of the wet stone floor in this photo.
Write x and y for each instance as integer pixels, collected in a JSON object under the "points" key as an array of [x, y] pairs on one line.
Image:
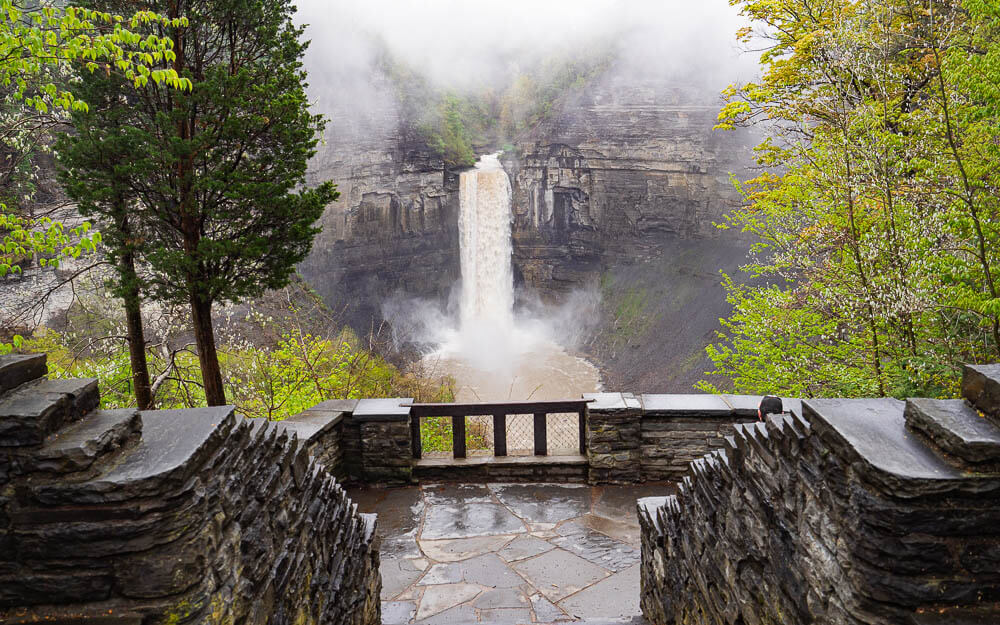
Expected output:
{"points": [[508, 553]]}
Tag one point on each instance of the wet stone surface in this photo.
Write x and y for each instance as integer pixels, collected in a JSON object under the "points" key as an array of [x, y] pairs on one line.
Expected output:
{"points": [[508, 553]]}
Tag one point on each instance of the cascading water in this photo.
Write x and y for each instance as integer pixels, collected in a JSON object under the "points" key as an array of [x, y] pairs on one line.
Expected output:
{"points": [[484, 226], [493, 354]]}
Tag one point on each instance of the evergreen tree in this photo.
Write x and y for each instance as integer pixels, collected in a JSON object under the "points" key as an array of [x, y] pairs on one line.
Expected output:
{"points": [[218, 172], [95, 172]]}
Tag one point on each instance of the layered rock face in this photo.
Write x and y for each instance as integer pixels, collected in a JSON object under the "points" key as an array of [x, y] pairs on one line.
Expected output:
{"points": [[619, 187], [850, 512], [623, 185], [626, 165], [394, 228], [176, 516]]}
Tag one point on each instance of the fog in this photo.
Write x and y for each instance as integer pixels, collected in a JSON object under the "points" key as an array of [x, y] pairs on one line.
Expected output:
{"points": [[463, 45], [472, 46], [459, 43]]}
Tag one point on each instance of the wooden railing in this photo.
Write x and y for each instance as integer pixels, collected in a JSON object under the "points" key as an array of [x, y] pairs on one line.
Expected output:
{"points": [[499, 411]]}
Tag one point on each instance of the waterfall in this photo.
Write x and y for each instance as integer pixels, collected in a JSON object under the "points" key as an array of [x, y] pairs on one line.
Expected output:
{"points": [[491, 354], [484, 223]]}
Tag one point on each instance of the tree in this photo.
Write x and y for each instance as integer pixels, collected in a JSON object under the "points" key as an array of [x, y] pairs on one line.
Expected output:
{"points": [[218, 171], [876, 212], [95, 173], [39, 45]]}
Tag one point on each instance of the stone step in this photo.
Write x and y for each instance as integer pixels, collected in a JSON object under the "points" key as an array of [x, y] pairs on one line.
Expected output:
{"points": [[981, 386], [77, 447], [872, 434], [37, 409], [956, 428], [17, 369], [173, 447]]}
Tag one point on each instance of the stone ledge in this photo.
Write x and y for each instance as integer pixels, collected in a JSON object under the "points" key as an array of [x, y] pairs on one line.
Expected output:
{"points": [[872, 433], [501, 460], [313, 423], [39, 408], [981, 386], [689, 405], [955, 427], [612, 402], [175, 443], [385, 409], [16, 369], [571, 469]]}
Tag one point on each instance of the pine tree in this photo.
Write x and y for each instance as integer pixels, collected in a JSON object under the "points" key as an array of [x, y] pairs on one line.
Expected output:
{"points": [[218, 172]]}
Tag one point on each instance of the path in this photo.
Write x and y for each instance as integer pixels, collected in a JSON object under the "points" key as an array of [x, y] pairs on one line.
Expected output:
{"points": [[508, 553]]}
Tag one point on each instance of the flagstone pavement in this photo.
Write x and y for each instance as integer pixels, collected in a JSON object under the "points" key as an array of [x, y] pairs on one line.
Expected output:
{"points": [[508, 553]]}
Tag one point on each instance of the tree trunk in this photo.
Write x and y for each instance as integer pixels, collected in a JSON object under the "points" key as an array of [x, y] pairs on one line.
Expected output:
{"points": [[204, 334], [136, 338]]}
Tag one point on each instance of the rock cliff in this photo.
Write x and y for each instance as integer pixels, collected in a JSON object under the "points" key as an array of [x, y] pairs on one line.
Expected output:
{"points": [[618, 188]]}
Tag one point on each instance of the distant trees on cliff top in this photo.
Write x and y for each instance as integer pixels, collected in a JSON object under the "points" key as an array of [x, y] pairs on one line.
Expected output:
{"points": [[877, 207], [458, 126]]}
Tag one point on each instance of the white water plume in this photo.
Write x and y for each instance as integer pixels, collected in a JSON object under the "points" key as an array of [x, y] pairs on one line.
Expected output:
{"points": [[493, 353]]}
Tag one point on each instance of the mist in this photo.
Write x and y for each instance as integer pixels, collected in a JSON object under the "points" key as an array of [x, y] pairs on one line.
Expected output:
{"points": [[464, 46]]}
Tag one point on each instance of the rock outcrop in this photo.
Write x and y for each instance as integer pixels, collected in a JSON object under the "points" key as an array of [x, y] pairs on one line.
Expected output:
{"points": [[395, 227], [622, 168]]}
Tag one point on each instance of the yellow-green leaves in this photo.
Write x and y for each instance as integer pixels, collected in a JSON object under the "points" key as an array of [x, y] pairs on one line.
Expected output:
{"points": [[36, 43], [877, 213], [39, 48]]}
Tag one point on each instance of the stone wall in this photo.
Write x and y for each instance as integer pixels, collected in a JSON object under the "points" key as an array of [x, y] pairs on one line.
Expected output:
{"points": [[480, 470], [857, 511], [629, 439], [655, 437], [179, 516]]}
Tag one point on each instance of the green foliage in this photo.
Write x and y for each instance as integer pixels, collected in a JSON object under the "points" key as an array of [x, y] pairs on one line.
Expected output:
{"points": [[39, 44], [451, 141], [221, 167], [877, 213], [436, 435], [216, 174], [267, 379], [38, 38]]}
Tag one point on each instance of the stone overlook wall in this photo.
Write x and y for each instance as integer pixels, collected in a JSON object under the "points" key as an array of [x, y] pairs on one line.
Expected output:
{"points": [[629, 439], [180, 516], [655, 437], [850, 511]]}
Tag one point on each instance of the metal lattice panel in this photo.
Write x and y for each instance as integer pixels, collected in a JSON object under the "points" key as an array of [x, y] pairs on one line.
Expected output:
{"points": [[479, 435], [563, 433], [520, 435]]}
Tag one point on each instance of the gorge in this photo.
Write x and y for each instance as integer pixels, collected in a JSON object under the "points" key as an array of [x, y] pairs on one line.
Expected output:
{"points": [[615, 193]]}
